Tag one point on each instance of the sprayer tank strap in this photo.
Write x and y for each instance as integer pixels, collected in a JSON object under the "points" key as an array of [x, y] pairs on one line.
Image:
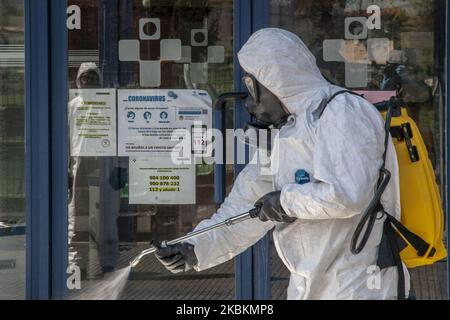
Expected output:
{"points": [[323, 106], [393, 227]]}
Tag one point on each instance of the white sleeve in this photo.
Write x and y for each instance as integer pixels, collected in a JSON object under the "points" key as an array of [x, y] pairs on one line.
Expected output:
{"points": [[224, 244], [347, 159]]}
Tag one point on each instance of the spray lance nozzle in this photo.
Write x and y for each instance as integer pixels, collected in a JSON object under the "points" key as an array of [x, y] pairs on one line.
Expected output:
{"points": [[155, 246]]}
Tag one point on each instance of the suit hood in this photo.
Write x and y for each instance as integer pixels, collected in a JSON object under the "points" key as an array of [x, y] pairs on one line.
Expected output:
{"points": [[282, 63]]}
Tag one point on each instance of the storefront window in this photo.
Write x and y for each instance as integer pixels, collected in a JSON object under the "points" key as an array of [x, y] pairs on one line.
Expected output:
{"points": [[377, 46], [12, 151], [121, 61]]}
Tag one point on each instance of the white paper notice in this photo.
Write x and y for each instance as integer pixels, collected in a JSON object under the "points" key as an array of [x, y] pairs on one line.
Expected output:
{"points": [[148, 119], [156, 181], [92, 119]]}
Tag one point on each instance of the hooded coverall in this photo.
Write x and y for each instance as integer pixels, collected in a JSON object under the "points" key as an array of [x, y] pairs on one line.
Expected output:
{"points": [[342, 152]]}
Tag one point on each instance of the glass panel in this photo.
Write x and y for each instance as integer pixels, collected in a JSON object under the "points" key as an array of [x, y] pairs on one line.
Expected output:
{"points": [[12, 151], [396, 45], [114, 211]]}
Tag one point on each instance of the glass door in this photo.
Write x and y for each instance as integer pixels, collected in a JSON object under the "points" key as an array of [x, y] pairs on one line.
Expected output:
{"points": [[374, 47], [138, 70], [12, 151]]}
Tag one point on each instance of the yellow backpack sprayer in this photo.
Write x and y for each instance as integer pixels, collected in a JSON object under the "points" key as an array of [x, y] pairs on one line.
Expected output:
{"points": [[421, 207]]}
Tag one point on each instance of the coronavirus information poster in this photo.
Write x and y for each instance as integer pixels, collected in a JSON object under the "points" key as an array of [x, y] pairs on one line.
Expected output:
{"points": [[157, 181], [148, 119], [92, 119]]}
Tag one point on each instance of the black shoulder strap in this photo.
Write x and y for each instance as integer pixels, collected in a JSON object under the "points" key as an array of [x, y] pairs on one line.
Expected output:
{"points": [[393, 228], [395, 245], [324, 104], [420, 245], [391, 235]]}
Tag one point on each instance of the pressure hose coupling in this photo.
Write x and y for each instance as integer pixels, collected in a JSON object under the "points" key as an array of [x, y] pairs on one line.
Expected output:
{"points": [[254, 213]]}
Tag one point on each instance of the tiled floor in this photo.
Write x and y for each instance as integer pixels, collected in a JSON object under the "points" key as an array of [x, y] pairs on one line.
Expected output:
{"points": [[12, 267], [12, 287], [149, 281]]}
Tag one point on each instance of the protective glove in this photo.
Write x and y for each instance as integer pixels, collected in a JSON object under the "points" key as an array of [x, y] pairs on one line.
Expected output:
{"points": [[178, 258], [271, 209]]}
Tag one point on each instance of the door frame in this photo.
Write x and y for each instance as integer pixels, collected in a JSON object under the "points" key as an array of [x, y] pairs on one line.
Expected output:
{"points": [[253, 266], [446, 169], [46, 147]]}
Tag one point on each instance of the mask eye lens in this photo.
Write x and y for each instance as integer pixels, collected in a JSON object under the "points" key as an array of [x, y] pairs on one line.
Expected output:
{"points": [[250, 84]]}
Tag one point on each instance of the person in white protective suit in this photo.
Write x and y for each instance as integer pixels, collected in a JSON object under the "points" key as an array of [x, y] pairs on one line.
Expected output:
{"points": [[313, 223], [88, 77], [102, 245]]}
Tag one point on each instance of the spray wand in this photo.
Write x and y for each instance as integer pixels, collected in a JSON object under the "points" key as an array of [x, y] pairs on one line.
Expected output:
{"points": [[254, 213]]}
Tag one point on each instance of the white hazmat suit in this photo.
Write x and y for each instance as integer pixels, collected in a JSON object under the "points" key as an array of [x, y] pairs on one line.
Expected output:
{"points": [[342, 152]]}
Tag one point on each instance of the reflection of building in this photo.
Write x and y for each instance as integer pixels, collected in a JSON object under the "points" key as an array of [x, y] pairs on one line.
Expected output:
{"points": [[407, 7], [12, 147]]}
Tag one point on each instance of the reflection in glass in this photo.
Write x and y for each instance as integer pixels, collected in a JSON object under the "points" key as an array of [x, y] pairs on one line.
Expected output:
{"points": [[145, 45], [12, 151]]}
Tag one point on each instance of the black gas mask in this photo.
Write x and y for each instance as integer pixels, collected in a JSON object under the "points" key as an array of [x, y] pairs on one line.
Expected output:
{"points": [[267, 110], [89, 79]]}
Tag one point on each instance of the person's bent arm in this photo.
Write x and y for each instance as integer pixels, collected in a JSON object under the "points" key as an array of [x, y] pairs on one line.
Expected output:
{"points": [[224, 244], [347, 159]]}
